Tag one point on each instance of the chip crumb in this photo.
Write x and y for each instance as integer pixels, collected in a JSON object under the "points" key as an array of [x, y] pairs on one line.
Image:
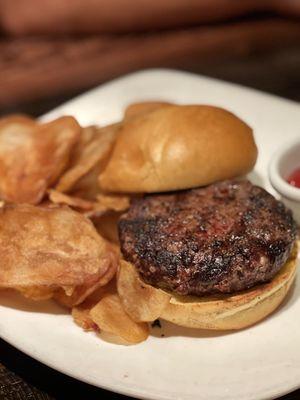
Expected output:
{"points": [[125, 376]]}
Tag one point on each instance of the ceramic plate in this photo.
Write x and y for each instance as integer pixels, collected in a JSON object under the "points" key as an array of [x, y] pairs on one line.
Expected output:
{"points": [[261, 362]]}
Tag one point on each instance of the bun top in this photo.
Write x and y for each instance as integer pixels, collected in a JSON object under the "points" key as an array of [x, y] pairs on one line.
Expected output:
{"points": [[137, 109], [179, 147]]}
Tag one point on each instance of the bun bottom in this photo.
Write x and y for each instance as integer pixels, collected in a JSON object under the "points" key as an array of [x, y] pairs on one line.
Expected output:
{"points": [[146, 303]]}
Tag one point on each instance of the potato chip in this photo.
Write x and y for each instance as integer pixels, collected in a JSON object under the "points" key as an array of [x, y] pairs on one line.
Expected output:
{"points": [[87, 187], [81, 317], [68, 179], [81, 313], [32, 156], [36, 292], [80, 293], [74, 202], [141, 301], [87, 135], [106, 203], [91, 209], [51, 247], [110, 317], [102, 311], [144, 107], [17, 121], [115, 202], [93, 149]]}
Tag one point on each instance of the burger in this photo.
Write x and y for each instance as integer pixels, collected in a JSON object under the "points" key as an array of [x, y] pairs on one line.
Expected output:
{"points": [[202, 246]]}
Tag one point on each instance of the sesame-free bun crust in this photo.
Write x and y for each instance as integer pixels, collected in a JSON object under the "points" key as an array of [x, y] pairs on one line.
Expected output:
{"points": [[179, 147], [144, 302], [137, 109]]}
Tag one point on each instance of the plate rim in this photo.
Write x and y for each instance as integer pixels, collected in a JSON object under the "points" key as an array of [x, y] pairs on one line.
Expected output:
{"points": [[134, 392]]}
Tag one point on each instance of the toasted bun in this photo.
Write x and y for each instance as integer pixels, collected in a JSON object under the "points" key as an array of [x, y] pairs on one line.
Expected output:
{"points": [[137, 109], [179, 147], [225, 312]]}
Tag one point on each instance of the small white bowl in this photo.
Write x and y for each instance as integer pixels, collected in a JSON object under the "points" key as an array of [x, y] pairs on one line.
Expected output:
{"points": [[282, 164]]}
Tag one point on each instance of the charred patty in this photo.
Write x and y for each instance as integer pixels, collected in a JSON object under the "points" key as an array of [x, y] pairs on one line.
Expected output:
{"points": [[223, 238]]}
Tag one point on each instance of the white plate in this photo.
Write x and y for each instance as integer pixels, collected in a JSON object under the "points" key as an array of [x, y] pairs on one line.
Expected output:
{"points": [[261, 362]]}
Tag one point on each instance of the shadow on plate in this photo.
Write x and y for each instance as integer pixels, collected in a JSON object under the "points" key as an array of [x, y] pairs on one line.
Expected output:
{"points": [[12, 299], [168, 329]]}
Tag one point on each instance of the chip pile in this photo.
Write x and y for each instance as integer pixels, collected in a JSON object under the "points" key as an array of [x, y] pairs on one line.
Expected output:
{"points": [[58, 230]]}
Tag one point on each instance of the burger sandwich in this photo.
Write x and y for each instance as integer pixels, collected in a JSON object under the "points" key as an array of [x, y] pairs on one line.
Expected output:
{"points": [[202, 246]]}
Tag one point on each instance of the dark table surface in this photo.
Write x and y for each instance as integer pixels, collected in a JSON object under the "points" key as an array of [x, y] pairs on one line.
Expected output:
{"points": [[23, 378]]}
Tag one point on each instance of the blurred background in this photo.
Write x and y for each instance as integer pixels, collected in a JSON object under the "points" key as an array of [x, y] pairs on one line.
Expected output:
{"points": [[51, 50]]}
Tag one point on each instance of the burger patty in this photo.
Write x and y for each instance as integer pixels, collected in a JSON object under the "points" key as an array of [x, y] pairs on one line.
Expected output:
{"points": [[222, 238]]}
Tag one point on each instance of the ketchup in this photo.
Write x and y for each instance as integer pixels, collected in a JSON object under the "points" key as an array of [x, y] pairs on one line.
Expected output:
{"points": [[294, 178]]}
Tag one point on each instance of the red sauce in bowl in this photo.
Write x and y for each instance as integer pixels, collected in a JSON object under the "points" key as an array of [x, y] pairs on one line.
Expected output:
{"points": [[294, 178]]}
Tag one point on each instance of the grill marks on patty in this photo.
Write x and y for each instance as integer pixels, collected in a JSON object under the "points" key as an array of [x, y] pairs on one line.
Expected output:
{"points": [[223, 238]]}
